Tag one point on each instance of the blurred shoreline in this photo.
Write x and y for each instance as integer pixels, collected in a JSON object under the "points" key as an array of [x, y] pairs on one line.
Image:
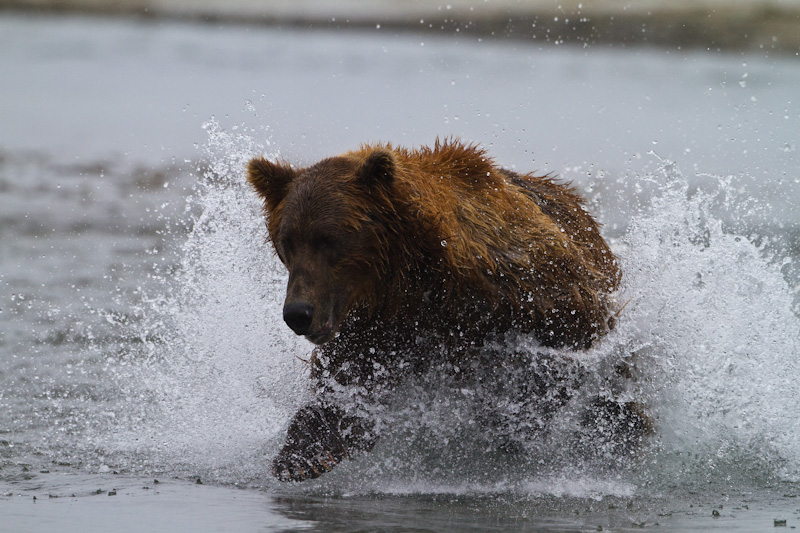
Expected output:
{"points": [[716, 25]]}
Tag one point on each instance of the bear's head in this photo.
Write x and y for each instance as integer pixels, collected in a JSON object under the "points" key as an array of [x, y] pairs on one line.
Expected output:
{"points": [[327, 223]]}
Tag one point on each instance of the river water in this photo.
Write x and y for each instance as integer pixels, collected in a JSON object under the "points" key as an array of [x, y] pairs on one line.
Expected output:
{"points": [[146, 377]]}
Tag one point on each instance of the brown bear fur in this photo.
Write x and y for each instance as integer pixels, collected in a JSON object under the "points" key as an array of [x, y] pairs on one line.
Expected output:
{"points": [[395, 255]]}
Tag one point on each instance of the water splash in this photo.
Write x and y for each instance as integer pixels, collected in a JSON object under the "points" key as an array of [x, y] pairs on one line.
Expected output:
{"points": [[217, 377], [711, 317], [708, 323]]}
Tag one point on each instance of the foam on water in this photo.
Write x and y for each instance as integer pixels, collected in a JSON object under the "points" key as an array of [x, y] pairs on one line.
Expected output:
{"points": [[709, 324]]}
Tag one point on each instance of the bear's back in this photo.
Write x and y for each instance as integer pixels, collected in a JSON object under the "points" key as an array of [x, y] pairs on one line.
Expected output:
{"points": [[519, 248]]}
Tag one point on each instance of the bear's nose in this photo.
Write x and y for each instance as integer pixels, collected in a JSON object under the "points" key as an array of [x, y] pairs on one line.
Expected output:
{"points": [[298, 316]]}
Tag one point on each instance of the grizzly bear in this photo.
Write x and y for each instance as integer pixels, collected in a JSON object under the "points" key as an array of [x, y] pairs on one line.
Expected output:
{"points": [[402, 259]]}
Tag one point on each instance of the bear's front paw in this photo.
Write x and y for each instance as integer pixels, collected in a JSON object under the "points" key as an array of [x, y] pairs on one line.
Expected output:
{"points": [[289, 466], [314, 445]]}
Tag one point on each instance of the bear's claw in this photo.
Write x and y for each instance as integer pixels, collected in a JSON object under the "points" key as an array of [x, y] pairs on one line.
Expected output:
{"points": [[314, 445], [296, 468], [318, 439]]}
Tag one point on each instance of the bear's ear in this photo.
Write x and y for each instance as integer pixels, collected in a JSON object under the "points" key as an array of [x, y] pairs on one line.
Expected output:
{"points": [[270, 180], [379, 168]]}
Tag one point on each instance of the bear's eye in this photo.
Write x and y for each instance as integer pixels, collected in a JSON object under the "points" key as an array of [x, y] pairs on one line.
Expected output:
{"points": [[321, 243], [285, 248]]}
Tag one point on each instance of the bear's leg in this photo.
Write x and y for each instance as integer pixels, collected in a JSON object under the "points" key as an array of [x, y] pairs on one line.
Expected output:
{"points": [[319, 437], [618, 428], [517, 393]]}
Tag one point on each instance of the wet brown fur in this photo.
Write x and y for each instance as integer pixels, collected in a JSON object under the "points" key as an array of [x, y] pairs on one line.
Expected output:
{"points": [[518, 250]]}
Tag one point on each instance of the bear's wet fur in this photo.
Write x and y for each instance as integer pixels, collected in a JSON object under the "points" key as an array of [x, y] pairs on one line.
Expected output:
{"points": [[400, 260]]}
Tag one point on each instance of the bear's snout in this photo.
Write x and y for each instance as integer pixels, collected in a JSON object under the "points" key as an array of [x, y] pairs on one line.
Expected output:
{"points": [[298, 316]]}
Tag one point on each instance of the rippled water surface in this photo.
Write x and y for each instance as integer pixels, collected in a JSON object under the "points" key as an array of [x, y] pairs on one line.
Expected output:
{"points": [[141, 338]]}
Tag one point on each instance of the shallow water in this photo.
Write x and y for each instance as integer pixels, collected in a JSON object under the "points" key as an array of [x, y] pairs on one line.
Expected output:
{"points": [[140, 328]]}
